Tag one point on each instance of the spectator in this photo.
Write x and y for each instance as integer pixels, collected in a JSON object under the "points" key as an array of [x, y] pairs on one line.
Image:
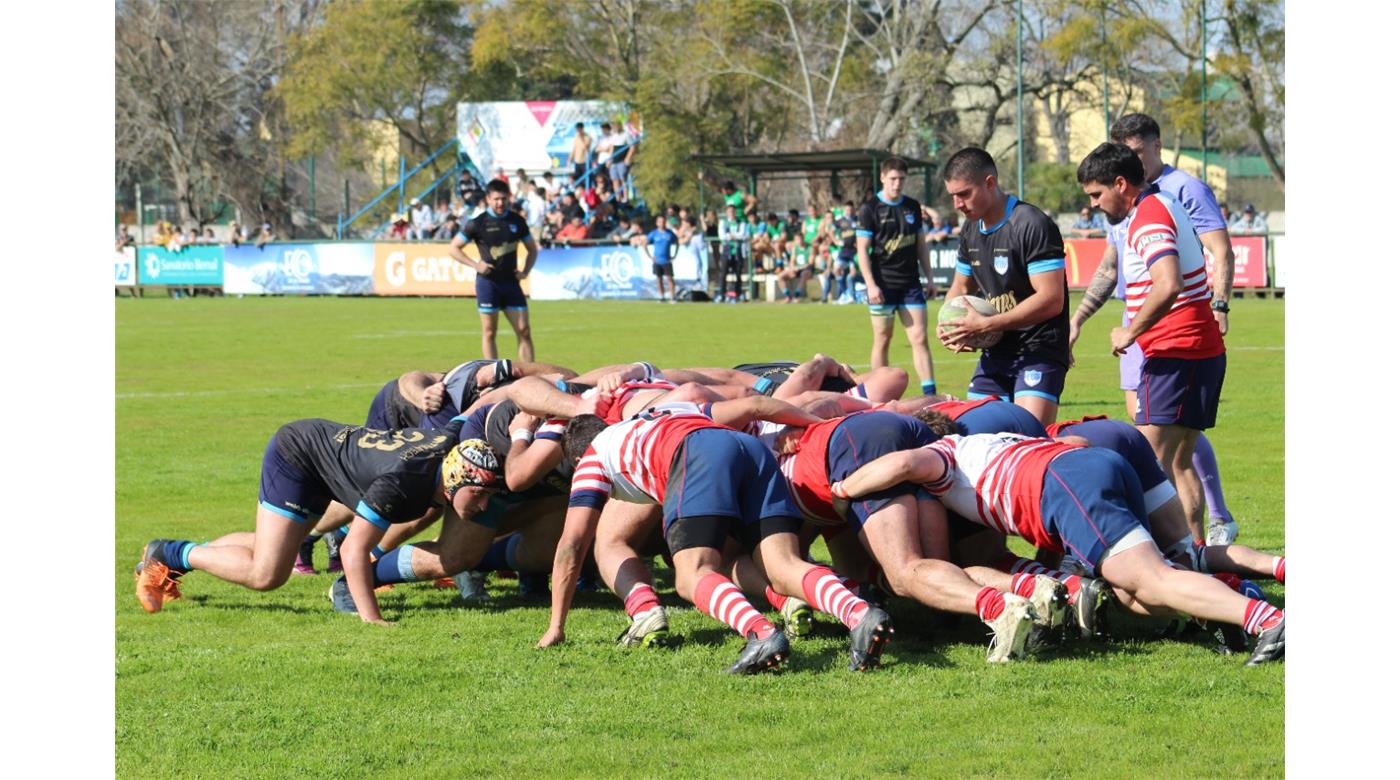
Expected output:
{"points": [[236, 234], [572, 232], [734, 239], [522, 181], [265, 236], [740, 200], [578, 156], [190, 235], [448, 229], [1090, 223], [603, 149], [1249, 222], [398, 228], [761, 243], [551, 187], [589, 199], [1225, 215], [570, 207], [422, 219], [673, 216], [792, 226], [124, 238], [501, 176], [625, 231], [209, 237], [936, 231], [605, 201], [470, 192], [618, 160], [777, 234], [535, 208], [599, 226], [441, 214]]}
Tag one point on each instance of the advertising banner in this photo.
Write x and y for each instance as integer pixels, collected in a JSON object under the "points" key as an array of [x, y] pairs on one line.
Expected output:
{"points": [[613, 272], [534, 135], [422, 269], [1279, 244], [126, 267], [193, 265], [1082, 256], [299, 269]]}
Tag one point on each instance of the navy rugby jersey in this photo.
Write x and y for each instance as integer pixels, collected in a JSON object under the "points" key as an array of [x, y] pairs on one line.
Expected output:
{"points": [[1001, 259], [497, 238], [893, 230], [385, 476]]}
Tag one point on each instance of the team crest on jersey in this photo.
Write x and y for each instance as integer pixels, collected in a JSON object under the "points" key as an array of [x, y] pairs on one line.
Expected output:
{"points": [[1032, 377], [515, 228], [1001, 263], [909, 218]]}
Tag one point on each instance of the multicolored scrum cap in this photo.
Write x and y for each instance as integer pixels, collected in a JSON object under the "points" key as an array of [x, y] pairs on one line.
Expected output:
{"points": [[472, 463]]}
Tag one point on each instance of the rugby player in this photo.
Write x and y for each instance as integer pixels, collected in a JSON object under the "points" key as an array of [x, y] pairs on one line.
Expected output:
{"points": [[892, 526], [1169, 316], [497, 232], [1016, 259], [1069, 497], [388, 476], [712, 482], [1140, 133], [891, 253]]}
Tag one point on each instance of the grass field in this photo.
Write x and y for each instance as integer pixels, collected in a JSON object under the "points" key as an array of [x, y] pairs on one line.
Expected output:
{"points": [[233, 683]]}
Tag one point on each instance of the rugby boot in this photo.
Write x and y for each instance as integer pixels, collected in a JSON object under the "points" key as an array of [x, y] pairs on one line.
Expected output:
{"points": [[1221, 532], [1050, 602], [341, 600], [532, 584], [649, 629], [1269, 646], [333, 540], [472, 586], [1010, 630], [155, 582], [1089, 612], [305, 557], [868, 639], [762, 654], [797, 618]]}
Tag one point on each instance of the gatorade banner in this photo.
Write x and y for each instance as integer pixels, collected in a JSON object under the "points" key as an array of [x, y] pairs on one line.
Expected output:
{"points": [[342, 268], [534, 135], [192, 266], [422, 269]]}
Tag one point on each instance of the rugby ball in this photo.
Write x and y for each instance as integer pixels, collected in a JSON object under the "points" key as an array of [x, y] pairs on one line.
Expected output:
{"points": [[956, 309]]}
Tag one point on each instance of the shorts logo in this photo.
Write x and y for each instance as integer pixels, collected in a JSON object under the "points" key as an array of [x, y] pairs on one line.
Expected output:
{"points": [[1001, 263], [1032, 377]]}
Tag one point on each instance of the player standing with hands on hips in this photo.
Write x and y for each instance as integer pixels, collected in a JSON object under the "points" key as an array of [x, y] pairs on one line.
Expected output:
{"points": [[497, 232], [891, 252], [1013, 253]]}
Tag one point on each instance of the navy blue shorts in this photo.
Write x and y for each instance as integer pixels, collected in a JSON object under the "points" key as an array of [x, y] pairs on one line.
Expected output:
{"points": [[723, 473], [864, 437], [389, 411], [1012, 378], [493, 296], [1092, 499], [1127, 441], [289, 492], [999, 417], [899, 298], [1180, 391]]}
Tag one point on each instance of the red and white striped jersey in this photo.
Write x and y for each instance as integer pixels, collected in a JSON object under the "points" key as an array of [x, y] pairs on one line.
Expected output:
{"points": [[996, 479], [611, 412], [631, 460], [1158, 227]]}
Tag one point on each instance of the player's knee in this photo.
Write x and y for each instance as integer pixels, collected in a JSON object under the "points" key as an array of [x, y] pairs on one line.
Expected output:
{"points": [[455, 561], [265, 579]]}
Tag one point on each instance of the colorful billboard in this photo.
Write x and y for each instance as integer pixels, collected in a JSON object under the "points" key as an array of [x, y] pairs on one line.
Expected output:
{"points": [[299, 269], [614, 272], [191, 266], [126, 267], [1082, 256], [534, 135]]}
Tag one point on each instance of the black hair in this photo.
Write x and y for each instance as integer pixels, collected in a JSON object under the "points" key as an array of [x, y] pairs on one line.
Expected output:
{"points": [[728, 185], [970, 164], [496, 185], [1107, 162], [1135, 126], [579, 434], [894, 164], [578, 125]]}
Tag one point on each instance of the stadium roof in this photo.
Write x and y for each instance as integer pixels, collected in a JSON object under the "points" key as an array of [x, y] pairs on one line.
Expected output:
{"points": [[757, 163]]}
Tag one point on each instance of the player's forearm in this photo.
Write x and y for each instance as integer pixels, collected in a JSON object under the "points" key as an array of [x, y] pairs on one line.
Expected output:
{"points": [[882, 473], [540, 398], [529, 461], [359, 574], [413, 383], [863, 261], [454, 251], [1217, 242], [579, 526], [1100, 287], [1154, 308]]}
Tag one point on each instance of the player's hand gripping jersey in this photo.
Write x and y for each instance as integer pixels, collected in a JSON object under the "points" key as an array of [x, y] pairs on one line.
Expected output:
{"points": [[632, 460], [1159, 227], [996, 479]]}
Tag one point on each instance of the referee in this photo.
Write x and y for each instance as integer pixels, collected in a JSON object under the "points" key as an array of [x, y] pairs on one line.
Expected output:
{"points": [[1011, 253]]}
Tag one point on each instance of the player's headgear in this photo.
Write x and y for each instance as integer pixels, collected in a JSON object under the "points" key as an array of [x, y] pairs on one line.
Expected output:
{"points": [[472, 463]]}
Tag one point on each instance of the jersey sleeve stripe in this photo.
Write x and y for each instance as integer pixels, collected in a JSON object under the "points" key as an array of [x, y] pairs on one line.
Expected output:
{"points": [[1161, 253], [864, 234], [364, 510], [1044, 266], [964, 269]]}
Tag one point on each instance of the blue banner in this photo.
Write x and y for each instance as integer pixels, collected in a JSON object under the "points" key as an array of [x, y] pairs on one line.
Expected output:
{"points": [[299, 269], [193, 265], [617, 271]]}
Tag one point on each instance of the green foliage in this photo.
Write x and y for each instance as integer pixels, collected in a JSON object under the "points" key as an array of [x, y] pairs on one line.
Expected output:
{"points": [[234, 683], [1054, 186]]}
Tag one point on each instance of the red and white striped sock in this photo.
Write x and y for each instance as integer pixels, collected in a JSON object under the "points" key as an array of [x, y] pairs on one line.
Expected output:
{"points": [[719, 598], [1023, 584], [824, 591], [775, 598], [1011, 563], [1278, 569], [1072, 584], [990, 603], [640, 599], [1260, 616]]}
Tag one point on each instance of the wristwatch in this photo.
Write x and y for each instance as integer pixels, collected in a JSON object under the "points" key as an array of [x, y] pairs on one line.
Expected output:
{"points": [[1223, 306]]}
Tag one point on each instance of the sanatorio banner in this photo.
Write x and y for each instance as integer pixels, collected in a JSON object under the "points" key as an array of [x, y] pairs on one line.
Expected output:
{"points": [[193, 265]]}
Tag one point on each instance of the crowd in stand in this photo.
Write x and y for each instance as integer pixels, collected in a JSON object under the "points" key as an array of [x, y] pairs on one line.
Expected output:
{"points": [[174, 239]]}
